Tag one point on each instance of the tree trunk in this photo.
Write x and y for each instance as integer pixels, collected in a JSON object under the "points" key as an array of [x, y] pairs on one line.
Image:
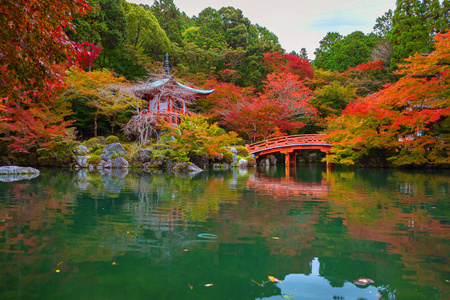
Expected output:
{"points": [[95, 123]]}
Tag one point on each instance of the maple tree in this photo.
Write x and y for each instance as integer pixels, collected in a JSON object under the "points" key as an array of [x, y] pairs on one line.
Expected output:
{"points": [[281, 107], [409, 117], [288, 63], [32, 44], [86, 54], [97, 89]]}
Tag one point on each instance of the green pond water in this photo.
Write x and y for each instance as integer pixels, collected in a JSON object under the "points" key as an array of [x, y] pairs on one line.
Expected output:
{"points": [[221, 234]]}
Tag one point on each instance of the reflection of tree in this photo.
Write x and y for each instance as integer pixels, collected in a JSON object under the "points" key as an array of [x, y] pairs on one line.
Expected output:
{"points": [[402, 217]]}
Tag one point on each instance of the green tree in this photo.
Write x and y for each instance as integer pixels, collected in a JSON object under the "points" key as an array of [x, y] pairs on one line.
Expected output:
{"points": [[172, 21], [323, 52], [383, 25], [332, 99], [352, 50], [415, 23], [144, 31]]}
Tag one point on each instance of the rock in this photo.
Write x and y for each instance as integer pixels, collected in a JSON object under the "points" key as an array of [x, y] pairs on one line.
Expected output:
{"points": [[113, 149], [169, 164], [193, 168], [81, 150], [14, 173], [101, 139], [200, 160], [184, 167], [157, 162], [233, 150], [242, 163], [120, 163], [95, 167], [108, 164], [272, 160], [145, 155], [82, 161]]}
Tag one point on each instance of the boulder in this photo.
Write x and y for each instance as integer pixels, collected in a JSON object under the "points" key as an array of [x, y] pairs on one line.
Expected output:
{"points": [[185, 167], [145, 155], [272, 160], [82, 161], [113, 149], [120, 163], [14, 173], [157, 162], [107, 164], [242, 163], [81, 150], [233, 150]]}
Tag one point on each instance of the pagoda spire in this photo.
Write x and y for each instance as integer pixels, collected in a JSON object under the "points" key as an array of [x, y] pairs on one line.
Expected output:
{"points": [[166, 65]]}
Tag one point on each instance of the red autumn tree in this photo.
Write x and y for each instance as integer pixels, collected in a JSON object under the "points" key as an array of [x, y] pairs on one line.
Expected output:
{"points": [[86, 54], [281, 107], [34, 50], [410, 117], [33, 43], [288, 63], [225, 95]]}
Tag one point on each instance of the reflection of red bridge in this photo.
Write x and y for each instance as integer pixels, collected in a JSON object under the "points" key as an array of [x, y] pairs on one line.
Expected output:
{"points": [[289, 187], [289, 145]]}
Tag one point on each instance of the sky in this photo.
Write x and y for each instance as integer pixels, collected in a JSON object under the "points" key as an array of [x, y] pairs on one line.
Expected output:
{"points": [[299, 23]]}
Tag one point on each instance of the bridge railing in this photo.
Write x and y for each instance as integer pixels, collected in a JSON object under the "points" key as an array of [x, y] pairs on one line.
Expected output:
{"points": [[286, 141]]}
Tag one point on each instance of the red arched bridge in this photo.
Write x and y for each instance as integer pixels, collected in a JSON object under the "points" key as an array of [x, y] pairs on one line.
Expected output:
{"points": [[289, 145]]}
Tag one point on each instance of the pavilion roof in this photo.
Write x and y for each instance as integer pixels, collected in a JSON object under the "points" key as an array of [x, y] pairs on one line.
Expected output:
{"points": [[147, 87]]}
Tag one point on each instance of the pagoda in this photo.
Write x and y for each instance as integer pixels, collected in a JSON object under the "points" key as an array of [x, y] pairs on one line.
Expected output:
{"points": [[168, 98]]}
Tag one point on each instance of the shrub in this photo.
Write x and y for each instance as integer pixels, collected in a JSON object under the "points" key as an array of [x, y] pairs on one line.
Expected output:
{"points": [[112, 139], [91, 143], [251, 161], [94, 159], [98, 151], [228, 157], [242, 151]]}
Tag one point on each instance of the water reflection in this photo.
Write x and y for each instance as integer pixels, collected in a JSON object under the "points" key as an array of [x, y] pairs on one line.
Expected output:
{"points": [[316, 231]]}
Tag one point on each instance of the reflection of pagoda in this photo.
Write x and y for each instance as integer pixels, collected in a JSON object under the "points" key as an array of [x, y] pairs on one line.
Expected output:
{"points": [[167, 97]]}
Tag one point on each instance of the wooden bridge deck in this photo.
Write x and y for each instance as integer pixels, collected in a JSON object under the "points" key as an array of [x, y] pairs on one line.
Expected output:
{"points": [[289, 145]]}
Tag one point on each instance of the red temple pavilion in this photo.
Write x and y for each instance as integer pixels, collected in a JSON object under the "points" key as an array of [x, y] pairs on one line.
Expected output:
{"points": [[167, 97]]}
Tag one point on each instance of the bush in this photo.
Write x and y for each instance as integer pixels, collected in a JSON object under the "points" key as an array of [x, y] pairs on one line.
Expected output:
{"points": [[228, 157], [94, 159], [251, 161], [242, 151], [112, 139], [91, 143], [98, 151]]}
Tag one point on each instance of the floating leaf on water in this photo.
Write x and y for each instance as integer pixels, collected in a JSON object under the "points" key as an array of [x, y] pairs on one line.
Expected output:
{"points": [[287, 296], [275, 238], [185, 250], [114, 263], [379, 296], [273, 279], [190, 286], [209, 284], [57, 271], [60, 263], [363, 281]]}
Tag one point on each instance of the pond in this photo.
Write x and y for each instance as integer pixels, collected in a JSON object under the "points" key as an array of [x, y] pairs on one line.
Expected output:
{"points": [[275, 233]]}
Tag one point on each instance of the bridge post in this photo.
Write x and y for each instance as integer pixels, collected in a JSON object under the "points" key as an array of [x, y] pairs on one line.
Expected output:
{"points": [[289, 159]]}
